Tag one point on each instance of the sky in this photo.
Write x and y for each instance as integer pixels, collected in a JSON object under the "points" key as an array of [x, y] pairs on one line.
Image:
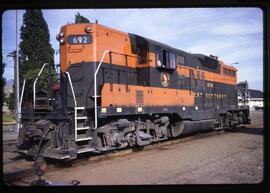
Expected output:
{"points": [[235, 35]]}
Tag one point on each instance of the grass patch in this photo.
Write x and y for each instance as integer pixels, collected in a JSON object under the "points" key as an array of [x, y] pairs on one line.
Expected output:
{"points": [[8, 118]]}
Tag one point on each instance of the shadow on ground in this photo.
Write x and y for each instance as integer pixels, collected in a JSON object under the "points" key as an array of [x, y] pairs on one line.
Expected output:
{"points": [[251, 131]]}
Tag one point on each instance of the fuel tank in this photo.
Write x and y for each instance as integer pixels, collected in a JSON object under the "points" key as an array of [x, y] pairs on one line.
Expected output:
{"points": [[183, 128]]}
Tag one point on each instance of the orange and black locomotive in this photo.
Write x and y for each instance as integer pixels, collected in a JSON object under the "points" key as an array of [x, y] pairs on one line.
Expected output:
{"points": [[118, 90]]}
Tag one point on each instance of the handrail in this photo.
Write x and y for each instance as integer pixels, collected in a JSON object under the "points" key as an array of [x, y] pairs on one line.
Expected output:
{"points": [[123, 54], [22, 92], [95, 85], [72, 90], [34, 85]]}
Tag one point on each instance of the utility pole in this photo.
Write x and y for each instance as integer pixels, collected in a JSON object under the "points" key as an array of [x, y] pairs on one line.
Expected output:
{"points": [[15, 56], [17, 85]]}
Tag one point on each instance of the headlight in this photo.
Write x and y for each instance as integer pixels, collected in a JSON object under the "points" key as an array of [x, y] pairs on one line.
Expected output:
{"points": [[61, 34], [62, 40]]}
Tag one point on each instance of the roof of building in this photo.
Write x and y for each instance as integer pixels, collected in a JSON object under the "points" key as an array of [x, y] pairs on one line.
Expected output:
{"points": [[255, 93]]}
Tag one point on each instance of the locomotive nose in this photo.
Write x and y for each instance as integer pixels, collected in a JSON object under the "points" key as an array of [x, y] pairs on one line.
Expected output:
{"points": [[76, 42]]}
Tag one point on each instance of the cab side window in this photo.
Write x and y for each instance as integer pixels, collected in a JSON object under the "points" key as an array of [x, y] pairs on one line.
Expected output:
{"points": [[172, 60], [165, 59], [181, 60], [159, 57]]}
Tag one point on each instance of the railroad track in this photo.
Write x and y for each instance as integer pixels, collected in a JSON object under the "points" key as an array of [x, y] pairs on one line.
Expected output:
{"points": [[19, 174], [10, 143]]}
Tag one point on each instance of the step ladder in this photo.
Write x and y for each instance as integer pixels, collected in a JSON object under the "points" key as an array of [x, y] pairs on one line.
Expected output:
{"points": [[80, 127], [81, 138]]}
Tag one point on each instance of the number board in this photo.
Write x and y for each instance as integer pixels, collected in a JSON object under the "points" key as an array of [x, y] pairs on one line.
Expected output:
{"points": [[210, 84], [80, 39]]}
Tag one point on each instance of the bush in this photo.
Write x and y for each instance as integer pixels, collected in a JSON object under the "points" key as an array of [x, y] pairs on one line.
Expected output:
{"points": [[8, 118]]}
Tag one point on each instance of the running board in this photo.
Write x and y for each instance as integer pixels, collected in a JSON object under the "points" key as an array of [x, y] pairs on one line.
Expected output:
{"points": [[85, 149], [83, 139]]}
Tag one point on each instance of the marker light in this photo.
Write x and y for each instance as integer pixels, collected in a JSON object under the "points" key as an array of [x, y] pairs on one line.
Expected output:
{"points": [[61, 34]]}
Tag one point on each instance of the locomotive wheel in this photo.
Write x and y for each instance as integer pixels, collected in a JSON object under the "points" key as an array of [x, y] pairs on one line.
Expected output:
{"points": [[130, 139]]}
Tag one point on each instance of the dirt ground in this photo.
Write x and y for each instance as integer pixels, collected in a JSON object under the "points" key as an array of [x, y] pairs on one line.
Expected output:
{"points": [[230, 157]]}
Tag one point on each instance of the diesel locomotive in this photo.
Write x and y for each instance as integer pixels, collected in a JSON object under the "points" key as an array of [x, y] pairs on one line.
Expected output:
{"points": [[119, 90]]}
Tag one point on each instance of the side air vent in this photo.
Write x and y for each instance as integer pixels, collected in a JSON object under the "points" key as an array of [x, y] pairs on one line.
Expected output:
{"points": [[139, 97]]}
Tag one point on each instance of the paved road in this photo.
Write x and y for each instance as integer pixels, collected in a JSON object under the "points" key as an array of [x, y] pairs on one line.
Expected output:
{"points": [[9, 132], [230, 157], [9, 128]]}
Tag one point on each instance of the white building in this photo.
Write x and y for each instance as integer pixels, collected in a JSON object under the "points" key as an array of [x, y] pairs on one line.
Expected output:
{"points": [[255, 99], [250, 97]]}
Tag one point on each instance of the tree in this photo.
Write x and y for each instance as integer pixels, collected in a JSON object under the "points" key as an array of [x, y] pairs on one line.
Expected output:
{"points": [[11, 100], [80, 19], [35, 47], [3, 81]]}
